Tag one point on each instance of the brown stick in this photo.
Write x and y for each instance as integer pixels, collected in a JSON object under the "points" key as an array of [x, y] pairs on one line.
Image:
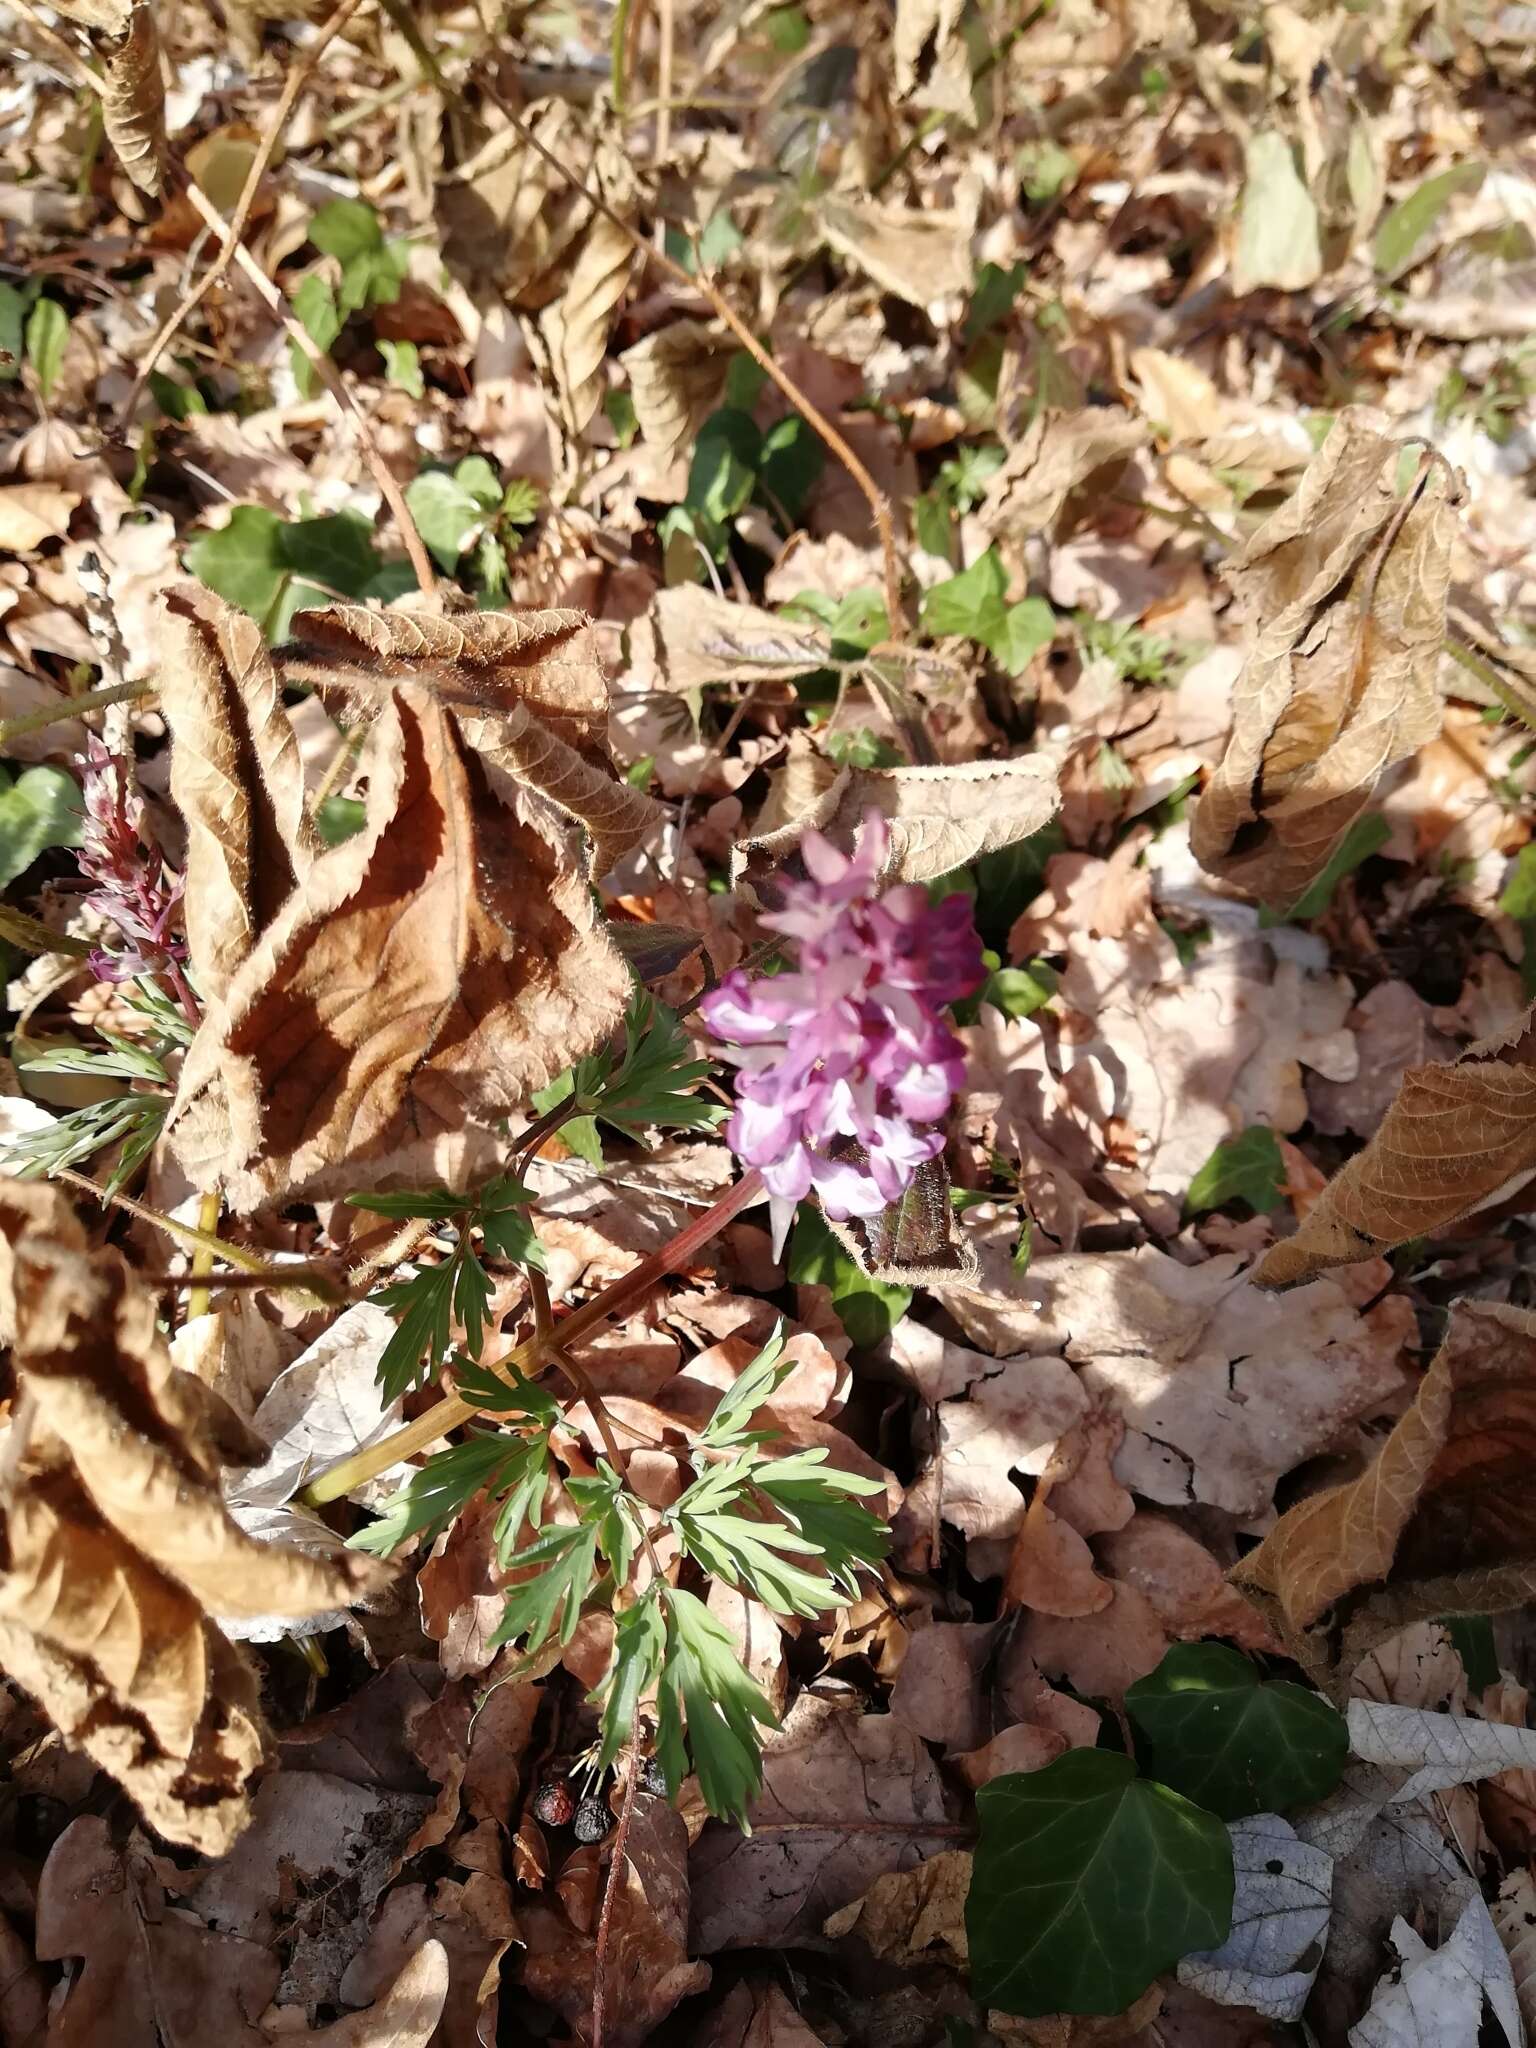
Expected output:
{"points": [[813, 416], [293, 85], [325, 370]]}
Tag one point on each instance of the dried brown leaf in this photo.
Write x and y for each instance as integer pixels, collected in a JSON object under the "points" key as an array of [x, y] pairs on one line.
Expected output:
{"points": [[237, 779], [429, 974], [1056, 454], [1441, 1523], [1459, 1136], [33, 513], [147, 1974], [919, 23], [406, 2012], [940, 818], [133, 99], [918, 256], [690, 638], [529, 692], [575, 329], [1344, 593], [913, 1916], [119, 1544], [676, 379], [755, 2016]]}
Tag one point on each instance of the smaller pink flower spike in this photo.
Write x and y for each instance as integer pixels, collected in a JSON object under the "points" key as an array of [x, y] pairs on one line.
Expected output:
{"points": [[852, 1041]]}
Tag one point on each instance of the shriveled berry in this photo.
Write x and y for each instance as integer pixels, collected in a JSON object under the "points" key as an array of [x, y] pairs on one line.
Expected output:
{"points": [[593, 1820], [554, 1803], [652, 1777]]}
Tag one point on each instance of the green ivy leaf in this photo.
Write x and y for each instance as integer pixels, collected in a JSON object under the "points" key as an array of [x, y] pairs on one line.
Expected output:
{"points": [[1020, 991], [1088, 1882], [13, 322], [1247, 1168], [264, 563], [346, 228], [42, 808], [316, 310], [47, 336], [1234, 1742], [973, 605], [868, 1309], [402, 366]]}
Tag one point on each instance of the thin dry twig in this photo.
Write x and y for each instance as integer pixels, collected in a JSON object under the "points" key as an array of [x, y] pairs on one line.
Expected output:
{"points": [[814, 417], [293, 85], [325, 370]]}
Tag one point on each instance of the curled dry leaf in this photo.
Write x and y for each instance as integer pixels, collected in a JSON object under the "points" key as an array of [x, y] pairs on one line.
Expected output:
{"points": [[1056, 454], [1439, 1993], [430, 973], [755, 2015], [147, 1974], [237, 779], [574, 329], [940, 818], [1343, 590], [913, 1916], [918, 256], [1460, 1136], [676, 380], [119, 1544], [133, 99], [1441, 1523], [690, 638]]}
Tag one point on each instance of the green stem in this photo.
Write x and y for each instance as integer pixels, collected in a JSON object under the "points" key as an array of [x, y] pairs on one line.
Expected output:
{"points": [[71, 707], [530, 1358]]}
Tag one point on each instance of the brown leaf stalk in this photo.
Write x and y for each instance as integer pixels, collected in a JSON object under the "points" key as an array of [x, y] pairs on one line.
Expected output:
{"points": [[814, 418], [532, 1356], [293, 85]]}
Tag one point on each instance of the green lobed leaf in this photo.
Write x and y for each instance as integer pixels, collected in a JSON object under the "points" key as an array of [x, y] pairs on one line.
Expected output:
{"points": [[639, 1644], [122, 1059], [502, 1395], [705, 1689], [449, 515], [1407, 225], [133, 1122], [402, 366], [1517, 899], [47, 336], [563, 1562], [439, 1491], [1020, 991], [752, 1386], [13, 321], [1248, 1168], [423, 1310], [42, 808], [315, 308], [973, 604], [1232, 1741], [1088, 1882], [345, 228], [868, 1309]]}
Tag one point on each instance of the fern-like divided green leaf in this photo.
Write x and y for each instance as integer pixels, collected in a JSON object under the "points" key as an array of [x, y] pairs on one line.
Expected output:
{"points": [[703, 1688], [753, 1385], [439, 1491], [563, 1564], [649, 1086], [132, 1121]]}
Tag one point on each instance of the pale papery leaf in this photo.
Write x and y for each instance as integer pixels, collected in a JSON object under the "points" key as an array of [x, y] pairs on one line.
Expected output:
{"points": [[1431, 1752], [1438, 1524], [1344, 593], [1460, 1136], [1514, 1918], [691, 638], [133, 102], [676, 380], [1438, 1994], [33, 513], [919, 256], [920, 23], [1055, 455], [1280, 1917], [237, 779]]}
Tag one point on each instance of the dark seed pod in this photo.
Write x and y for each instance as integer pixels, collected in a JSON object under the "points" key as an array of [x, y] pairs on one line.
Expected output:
{"points": [[554, 1803], [652, 1777], [593, 1820]]}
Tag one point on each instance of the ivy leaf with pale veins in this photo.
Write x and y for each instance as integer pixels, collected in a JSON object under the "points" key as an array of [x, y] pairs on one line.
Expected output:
{"points": [[1442, 1523], [1089, 1882], [1234, 1742], [1343, 592]]}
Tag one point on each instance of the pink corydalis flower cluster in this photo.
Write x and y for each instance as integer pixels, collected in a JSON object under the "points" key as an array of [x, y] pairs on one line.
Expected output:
{"points": [[852, 1042], [129, 886]]}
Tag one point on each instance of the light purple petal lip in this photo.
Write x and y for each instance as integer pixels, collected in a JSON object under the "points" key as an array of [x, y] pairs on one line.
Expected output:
{"points": [[853, 1042]]}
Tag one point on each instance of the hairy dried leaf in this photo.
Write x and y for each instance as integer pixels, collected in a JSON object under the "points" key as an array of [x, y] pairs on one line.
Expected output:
{"points": [[676, 380], [1343, 591], [1443, 1522], [237, 779], [528, 689], [1460, 1135], [119, 1545], [940, 818], [133, 102], [1056, 454], [431, 972], [690, 638]]}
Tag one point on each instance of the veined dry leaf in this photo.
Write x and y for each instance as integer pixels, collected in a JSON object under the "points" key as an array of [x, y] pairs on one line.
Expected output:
{"points": [[918, 256], [913, 1916], [430, 973], [1056, 454], [1514, 1916], [1343, 590], [1438, 1994], [676, 379], [147, 1974], [509, 219], [940, 818], [528, 690], [1280, 1920], [237, 779], [1443, 1522], [690, 638], [1460, 1136], [118, 1543], [133, 99], [33, 513], [575, 328]]}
